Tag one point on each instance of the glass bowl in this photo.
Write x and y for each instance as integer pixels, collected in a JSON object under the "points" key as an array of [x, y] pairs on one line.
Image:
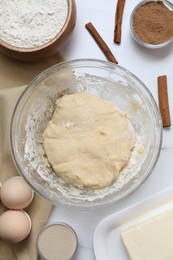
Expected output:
{"points": [[169, 5], [57, 233], [35, 107]]}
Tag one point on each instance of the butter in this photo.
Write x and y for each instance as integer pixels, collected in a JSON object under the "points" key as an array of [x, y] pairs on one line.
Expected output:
{"points": [[150, 239]]}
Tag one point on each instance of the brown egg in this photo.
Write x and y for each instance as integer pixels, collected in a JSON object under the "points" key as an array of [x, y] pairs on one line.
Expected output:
{"points": [[16, 193], [15, 225]]}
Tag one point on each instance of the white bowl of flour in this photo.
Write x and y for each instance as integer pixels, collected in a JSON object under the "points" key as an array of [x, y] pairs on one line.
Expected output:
{"points": [[35, 108], [34, 31]]}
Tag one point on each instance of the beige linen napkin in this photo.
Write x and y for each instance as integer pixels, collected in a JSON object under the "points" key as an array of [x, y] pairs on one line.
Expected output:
{"points": [[14, 74]]}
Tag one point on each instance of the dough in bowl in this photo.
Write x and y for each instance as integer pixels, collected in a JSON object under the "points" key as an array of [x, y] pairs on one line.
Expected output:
{"points": [[88, 140]]}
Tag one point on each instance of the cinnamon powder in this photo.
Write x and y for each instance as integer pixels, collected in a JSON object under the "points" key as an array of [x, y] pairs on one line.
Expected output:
{"points": [[153, 22]]}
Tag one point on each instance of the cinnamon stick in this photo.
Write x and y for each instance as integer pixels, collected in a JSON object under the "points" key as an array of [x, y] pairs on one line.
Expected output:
{"points": [[101, 43], [164, 101], [118, 20]]}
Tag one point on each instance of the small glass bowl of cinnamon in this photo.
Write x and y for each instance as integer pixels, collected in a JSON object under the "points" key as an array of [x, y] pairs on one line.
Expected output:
{"points": [[151, 23]]}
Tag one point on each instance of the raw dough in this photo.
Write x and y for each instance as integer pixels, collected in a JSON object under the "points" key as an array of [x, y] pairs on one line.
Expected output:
{"points": [[88, 141]]}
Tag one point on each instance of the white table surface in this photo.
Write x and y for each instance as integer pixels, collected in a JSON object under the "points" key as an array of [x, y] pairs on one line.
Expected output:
{"points": [[147, 65]]}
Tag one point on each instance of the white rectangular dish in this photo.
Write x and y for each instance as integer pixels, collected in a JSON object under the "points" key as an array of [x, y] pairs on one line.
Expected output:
{"points": [[107, 241]]}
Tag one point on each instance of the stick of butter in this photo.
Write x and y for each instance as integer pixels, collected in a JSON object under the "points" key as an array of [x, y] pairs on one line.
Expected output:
{"points": [[150, 239]]}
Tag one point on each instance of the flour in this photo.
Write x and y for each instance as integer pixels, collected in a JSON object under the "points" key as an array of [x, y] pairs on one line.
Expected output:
{"points": [[31, 23]]}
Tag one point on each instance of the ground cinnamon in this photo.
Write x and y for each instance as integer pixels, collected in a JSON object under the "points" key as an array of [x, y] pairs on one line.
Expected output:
{"points": [[101, 43], [153, 22], [163, 101], [118, 20]]}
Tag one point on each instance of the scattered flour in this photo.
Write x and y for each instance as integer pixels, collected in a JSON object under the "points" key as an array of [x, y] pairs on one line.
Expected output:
{"points": [[31, 23]]}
